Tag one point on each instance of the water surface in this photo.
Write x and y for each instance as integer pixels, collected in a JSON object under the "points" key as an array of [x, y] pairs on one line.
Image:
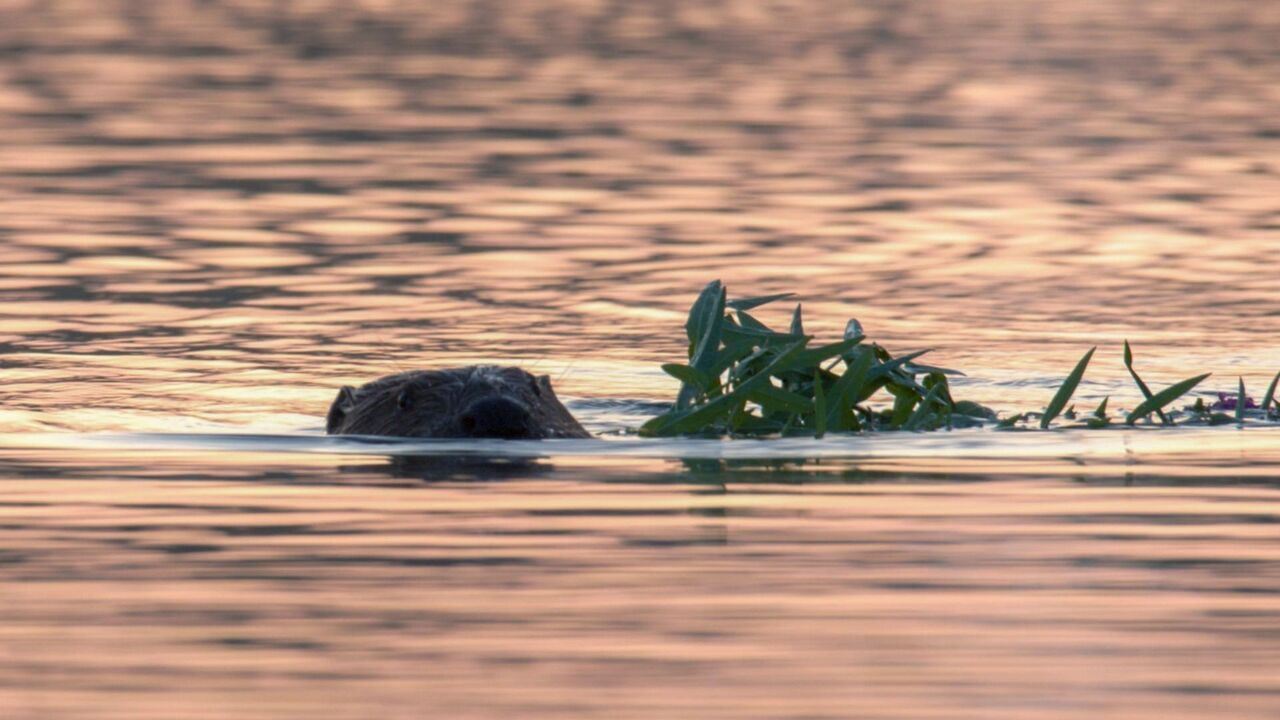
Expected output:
{"points": [[215, 212]]}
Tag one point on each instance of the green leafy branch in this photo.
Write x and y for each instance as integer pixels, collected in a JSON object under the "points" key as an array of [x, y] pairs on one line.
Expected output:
{"points": [[744, 378]]}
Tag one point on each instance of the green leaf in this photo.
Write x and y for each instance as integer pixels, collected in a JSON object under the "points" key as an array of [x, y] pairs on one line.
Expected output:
{"points": [[1067, 389], [1099, 418], [890, 365], [822, 353], [1146, 391], [903, 403], [797, 325], [697, 419], [703, 417], [819, 401], [1164, 397], [735, 333], [755, 302], [1101, 411], [889, 374], [848, 388], [917, 368], [775, 399], [731, 354], [1271, 393], [750, 322], [652, 427], [707, 308], [750, 363], [1240, 403], [737, 418], [706, 318], [689, 376], [939, 380], [925, 411], [884, 373]]}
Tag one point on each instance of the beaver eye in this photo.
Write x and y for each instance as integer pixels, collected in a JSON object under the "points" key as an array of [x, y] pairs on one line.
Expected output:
{"points": [[404, 400]]}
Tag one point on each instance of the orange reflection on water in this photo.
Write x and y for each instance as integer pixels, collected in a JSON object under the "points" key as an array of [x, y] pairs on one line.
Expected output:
{"points": [[632, 588], [215, 212]]}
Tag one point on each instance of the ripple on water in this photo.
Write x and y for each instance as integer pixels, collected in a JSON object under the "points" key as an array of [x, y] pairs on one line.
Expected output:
{"points": [[215, 212]]}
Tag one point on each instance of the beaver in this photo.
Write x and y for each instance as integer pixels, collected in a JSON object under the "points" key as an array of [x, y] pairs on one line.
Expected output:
{"points": [[479, 401]]}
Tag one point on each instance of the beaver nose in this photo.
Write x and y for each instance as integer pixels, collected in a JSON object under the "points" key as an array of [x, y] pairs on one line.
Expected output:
{"points": [[495, 417]]}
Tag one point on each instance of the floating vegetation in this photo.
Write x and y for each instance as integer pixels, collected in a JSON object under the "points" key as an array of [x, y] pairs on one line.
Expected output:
{"points": [[1163, 398], [1271, 395], [1065, 392], [1146, 391], [744, 378]]}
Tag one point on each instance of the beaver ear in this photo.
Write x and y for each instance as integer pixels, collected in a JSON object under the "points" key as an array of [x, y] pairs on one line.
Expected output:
{"points": [[338, 410], [543, 383], [404, 400]]}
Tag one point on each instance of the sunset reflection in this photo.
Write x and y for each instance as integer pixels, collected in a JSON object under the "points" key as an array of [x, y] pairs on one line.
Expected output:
{"points": [[214, 213]]}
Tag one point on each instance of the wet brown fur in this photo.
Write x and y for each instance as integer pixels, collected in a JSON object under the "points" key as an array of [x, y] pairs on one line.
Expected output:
{"points": [[443, 404]]}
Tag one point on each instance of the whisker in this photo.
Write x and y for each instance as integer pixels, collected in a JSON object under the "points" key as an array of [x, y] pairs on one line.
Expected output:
{"points": [[566, 370]]}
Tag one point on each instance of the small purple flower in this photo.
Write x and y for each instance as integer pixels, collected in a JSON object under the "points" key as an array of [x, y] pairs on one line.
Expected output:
{"points": [[1228, 402]]}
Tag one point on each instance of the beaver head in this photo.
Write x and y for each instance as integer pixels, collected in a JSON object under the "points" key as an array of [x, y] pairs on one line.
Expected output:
{"points": [[482, 401]]}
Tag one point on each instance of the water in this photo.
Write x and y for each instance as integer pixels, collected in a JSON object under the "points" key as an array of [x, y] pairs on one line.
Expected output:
{"points": [[215, 212]]}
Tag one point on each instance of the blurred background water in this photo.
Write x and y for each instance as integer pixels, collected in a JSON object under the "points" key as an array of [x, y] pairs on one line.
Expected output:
{"points": [[215, 212]]}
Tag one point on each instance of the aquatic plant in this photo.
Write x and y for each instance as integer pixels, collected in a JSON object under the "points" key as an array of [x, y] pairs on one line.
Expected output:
{"points": [[1271, 395], [1067, 389], [1163, 398], [1146, 391], [744, 378]]}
